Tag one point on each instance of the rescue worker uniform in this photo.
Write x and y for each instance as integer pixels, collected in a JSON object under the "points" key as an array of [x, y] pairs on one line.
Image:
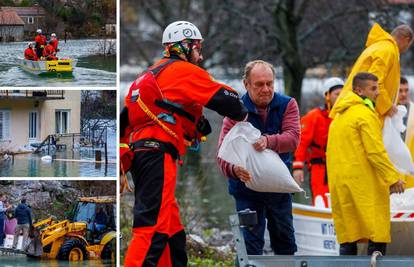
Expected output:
{"points": [[54, 42], [311, 150], [49, 52], [163, 108], [360, 175], [41, 41], [381, 57], [30, 54]]}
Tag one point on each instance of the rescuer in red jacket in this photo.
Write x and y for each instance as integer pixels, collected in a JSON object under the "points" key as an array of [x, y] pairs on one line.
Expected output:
{"points": [[54, 41], [312, 146], [30, 53], [40, 41], [163, 116]]}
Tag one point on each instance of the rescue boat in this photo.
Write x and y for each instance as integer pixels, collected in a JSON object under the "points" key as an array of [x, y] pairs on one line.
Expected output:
{"points": [[315, 232], [50, 67]]}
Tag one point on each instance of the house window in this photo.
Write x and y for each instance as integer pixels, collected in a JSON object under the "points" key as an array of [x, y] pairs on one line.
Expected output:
{"points": [[62, 118], [4, 125], [30, 20], [33, 122]]}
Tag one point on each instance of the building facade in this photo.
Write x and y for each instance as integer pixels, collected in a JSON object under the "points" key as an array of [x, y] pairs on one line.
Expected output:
{"points": [[11, 26], [30, 116], [32, 17]]}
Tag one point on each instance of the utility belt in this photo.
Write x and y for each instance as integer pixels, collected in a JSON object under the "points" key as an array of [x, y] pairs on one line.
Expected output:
{"points": [[155, 144], [318, 161]]}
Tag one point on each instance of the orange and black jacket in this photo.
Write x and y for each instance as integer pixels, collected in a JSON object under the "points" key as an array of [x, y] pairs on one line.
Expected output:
{"points": [[313, 139], [188, 87]]}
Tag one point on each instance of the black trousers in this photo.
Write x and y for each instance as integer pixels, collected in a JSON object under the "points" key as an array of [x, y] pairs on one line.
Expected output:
{"points": [[351, 248]]}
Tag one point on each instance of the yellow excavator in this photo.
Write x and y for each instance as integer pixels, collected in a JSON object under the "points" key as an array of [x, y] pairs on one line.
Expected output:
{"points": [[81, 236]]}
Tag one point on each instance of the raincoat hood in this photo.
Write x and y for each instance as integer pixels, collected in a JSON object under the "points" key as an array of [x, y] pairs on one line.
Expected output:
{"points": [[377, 34], [348, 101], [381, 57]]}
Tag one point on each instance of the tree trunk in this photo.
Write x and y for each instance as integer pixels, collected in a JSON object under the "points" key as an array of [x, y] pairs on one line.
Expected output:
{"points": [[293, 74], [287, 23]]}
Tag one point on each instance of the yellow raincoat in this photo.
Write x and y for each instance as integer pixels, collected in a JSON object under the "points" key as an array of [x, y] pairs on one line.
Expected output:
{"points": [[381, 57], [409, 141], [359, 173]]}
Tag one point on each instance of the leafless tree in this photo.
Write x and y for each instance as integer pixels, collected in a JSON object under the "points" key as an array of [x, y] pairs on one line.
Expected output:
{"points": [[294, 34]]}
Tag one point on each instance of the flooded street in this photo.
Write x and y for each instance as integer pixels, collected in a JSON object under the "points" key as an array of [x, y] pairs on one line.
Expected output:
{"points": [[31, 165], [91, 70]]}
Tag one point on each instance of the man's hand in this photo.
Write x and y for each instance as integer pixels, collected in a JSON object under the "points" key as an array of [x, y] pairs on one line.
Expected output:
{"points": [[242, 174], [392, 111], [298, 175], [261, 144], [398, 187]]}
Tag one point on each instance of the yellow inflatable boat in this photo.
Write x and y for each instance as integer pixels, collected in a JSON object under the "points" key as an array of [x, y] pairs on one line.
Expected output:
{"points": [[51, 67]]}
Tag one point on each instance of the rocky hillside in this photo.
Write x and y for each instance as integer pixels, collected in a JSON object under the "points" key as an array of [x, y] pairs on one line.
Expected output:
{"points": [[53, 198]]}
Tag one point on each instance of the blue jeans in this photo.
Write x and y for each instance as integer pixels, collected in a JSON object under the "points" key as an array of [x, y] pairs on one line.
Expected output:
{"points": [[277, 209]]}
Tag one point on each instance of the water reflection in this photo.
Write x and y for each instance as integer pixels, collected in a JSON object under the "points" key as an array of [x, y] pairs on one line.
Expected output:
{"points": [[31, 165]]}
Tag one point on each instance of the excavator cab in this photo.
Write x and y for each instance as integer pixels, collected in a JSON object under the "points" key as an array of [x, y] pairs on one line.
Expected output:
{"points": [[99, 217]]}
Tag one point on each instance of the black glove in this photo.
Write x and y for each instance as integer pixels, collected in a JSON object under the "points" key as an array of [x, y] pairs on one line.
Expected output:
{"points": [[203, 126]]}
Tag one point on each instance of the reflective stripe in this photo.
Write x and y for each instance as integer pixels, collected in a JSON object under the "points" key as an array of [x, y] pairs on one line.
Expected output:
{"points": [[123, 145]]}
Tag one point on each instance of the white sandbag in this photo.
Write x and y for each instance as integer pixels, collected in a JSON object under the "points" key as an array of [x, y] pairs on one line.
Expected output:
{"points": [[269, 173], [402, 202], [397, 150]]}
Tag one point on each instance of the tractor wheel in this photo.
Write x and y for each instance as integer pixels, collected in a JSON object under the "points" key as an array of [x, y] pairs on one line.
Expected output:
{"points": [[73, 250], [109, 251]]}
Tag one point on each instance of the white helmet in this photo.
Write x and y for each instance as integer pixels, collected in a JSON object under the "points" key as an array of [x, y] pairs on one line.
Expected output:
{"points": [[39, 30], [53, 35], [180, 30], [29, 43], [331, 83]]}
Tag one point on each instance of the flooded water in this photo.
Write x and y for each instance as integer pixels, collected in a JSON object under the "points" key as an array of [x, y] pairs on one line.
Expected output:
{"points": [[23, 261], [92, 70], [31, 165]]}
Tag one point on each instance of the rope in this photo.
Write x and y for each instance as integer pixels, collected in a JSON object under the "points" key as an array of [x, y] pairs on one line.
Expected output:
{"points": [[374, 256], [154, 118]]}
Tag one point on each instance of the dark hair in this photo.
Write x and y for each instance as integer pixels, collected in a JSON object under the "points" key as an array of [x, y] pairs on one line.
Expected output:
{"points": [[403, 80], [23, 201], [360, 78]]}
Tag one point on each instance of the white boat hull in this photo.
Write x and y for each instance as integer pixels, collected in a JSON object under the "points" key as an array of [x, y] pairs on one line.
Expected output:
{"points": [[315, 233], [47, 67]]}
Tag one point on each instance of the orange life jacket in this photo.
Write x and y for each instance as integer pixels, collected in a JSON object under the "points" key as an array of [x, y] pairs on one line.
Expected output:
{"points": [[148, 107]]}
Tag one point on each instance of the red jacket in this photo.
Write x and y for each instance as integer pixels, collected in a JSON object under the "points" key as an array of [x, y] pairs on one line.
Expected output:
{"points": [[314, 137], [182, 84], [55, 43], [30, 54], [49, 52], [40, 40]]}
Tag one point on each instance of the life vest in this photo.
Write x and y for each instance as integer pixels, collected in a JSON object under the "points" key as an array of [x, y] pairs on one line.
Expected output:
{"points": [[49, 52], [55, 43], [147, 106], [29, 54]]}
